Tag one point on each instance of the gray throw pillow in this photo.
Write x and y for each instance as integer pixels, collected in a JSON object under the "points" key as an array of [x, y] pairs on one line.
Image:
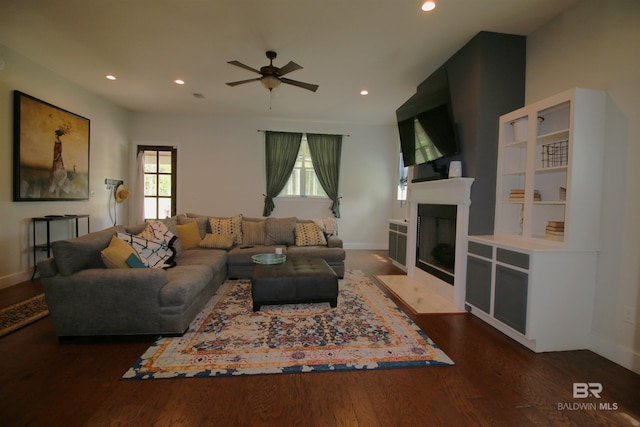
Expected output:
{"points": [[280, 231]]}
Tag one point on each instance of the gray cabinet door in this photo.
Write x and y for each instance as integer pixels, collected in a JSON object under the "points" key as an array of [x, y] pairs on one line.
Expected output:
{"points": [[393, 249], [511, 298], [401, 249], [479, 283]]}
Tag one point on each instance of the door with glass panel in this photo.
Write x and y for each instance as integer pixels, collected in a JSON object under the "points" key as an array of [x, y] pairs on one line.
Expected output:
{"points": [[159, 181]]}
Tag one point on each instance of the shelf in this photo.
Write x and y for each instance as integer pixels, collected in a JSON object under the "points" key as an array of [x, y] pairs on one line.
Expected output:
{"points": [[552, 169], [550, 202], [553, 137], [516, 144]]}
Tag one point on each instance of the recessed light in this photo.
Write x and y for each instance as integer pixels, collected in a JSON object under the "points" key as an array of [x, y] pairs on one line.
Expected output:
{"points": [[178, 81], [428, 6], [110, 77], [364, 92]]}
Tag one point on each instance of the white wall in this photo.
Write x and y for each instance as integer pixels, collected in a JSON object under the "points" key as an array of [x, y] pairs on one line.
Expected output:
{"points": [[108, 159], [221, 170], [595, 45]]}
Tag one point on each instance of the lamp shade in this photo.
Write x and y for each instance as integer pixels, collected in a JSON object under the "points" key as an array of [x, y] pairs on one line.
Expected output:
{"points": [[270, 82]]}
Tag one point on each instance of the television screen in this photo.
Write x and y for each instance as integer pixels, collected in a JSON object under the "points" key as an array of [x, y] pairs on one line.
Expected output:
{"points": [[428, 137]]}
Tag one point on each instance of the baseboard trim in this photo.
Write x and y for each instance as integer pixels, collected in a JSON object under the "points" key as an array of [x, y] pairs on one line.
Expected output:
{"points": [[366, 246], [615, 352], [14, 279]]}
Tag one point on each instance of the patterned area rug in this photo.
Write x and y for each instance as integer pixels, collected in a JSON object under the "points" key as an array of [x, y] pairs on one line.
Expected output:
{"points": [[21, 314], [366, 331]]}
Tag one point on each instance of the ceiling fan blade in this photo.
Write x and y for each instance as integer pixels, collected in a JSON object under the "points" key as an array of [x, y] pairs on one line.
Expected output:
{"points": [[303, 85], [241, 65], [243, 81], [291, 66]]}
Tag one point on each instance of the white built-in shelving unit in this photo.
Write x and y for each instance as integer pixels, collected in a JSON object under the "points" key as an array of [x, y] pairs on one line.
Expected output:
{"points": [[534, 278]]}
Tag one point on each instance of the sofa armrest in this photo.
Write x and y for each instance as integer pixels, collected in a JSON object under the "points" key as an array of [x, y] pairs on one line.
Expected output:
{"points": [[47, 267], [117, 288], [334, 242]]}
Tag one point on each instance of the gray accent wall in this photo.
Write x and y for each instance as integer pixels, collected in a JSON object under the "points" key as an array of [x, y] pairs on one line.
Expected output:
{"points": [[486, 80]]}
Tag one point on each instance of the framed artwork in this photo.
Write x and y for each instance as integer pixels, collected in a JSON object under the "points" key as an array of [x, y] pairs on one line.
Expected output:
{"points": [[51, 152]]}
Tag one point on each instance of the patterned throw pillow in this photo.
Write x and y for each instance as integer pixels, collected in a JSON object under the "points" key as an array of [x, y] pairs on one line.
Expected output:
{"points": [[231, 225], [153, 253], [309, 234], [157, 230], [217, 241]]}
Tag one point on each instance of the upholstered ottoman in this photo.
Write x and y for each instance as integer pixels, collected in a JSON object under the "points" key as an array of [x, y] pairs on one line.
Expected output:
{"points": [[297, 280]]}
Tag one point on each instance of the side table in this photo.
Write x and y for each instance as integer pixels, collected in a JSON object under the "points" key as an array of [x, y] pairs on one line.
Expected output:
{"points": [[47, 246]]}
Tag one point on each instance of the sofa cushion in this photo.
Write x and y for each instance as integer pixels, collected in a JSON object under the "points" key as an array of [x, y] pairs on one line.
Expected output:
{"points": [[328, 254], [243, 254], [184, 284], [280, 231], [117, 253], [189, 234], [82, 252], [231, 225], [217, 241], [254, 231], [309, 234], [216, 259]]}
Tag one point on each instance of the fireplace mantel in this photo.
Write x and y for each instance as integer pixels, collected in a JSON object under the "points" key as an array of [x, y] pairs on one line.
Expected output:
{"points": [[453, 191]]}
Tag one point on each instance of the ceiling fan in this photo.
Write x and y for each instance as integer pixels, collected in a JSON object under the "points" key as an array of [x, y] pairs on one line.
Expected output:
{"points": [[272, 76]]}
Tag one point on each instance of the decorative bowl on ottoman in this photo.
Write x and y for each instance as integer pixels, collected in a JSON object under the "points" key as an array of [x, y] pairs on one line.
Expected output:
{"points": [[269, 258]]}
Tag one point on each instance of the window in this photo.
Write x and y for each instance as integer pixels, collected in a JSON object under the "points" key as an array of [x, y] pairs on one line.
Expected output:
{"points": [[403, 173], [303, 181], [159, 181]]}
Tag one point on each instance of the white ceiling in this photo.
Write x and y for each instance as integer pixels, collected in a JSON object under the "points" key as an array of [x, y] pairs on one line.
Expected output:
{"points": [[385, 46]]}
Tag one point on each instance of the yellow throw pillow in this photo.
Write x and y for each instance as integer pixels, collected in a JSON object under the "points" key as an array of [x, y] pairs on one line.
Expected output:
{"points": [[115, 255], [309, 234], [189, 234], [218, 241]]}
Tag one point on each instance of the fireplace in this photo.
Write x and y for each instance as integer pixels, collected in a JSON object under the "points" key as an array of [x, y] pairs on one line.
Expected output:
{"points": [[436, 240], [439, 216]]}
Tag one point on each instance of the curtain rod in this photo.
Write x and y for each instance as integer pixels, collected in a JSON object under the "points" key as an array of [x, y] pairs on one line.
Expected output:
{"points": [[263, 130]]}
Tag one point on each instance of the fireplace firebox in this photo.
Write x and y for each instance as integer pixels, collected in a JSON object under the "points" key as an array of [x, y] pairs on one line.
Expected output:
{"points": [[436, 240]]}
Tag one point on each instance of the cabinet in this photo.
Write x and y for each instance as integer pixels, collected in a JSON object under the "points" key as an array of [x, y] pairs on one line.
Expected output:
{"points": [[534, 278], [46, 245], [398, 244]]}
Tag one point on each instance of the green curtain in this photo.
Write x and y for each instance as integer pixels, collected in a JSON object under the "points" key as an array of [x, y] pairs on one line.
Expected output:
{"points": [[325, 152], [281, 151]]}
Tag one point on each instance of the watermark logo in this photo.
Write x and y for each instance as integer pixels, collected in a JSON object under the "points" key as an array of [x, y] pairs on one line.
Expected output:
{"points": [[584, 390]]}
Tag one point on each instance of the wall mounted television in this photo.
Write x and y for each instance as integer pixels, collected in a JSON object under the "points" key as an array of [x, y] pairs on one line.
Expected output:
{"points": [[426, 125]]}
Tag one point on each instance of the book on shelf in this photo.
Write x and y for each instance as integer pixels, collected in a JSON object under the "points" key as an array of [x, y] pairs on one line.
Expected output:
{"points": [[555, 224], [517, 195], [554, 232]]}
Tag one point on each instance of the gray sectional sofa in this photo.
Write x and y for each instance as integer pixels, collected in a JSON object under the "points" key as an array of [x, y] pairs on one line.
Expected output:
{"points": [[85, 297]]}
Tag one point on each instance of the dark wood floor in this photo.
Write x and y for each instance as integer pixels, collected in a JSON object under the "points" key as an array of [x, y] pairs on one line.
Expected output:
{"points": [[495, 382]]}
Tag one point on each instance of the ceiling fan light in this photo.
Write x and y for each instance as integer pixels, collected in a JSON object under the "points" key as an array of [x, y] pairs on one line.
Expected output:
{"points": [[270, 82]]}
